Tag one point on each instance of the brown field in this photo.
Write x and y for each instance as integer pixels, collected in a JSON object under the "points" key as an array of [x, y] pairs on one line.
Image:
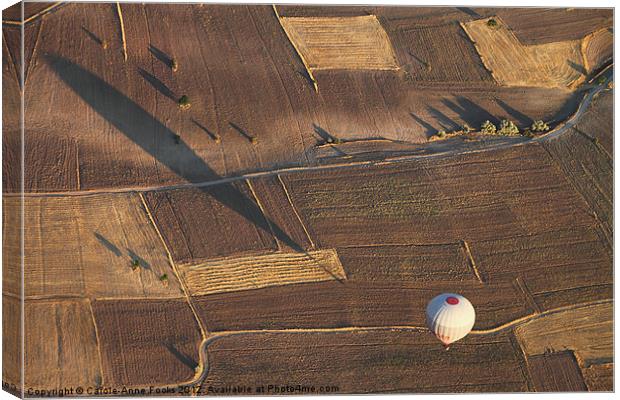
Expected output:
{"points": [[598, 122], [360, 300], [341, 42], [84, 246], [215, 221], [585, 330], [363, 362], [556, 372], [272, 196], [558, 64], [590, 169], [599, 377], [455, 60], [147, 342], [61, 348], [11, 339], [234, 274], [269, 98]]}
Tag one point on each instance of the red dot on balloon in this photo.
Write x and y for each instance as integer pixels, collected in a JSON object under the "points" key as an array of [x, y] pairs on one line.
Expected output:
{"points": [[452, 300]]}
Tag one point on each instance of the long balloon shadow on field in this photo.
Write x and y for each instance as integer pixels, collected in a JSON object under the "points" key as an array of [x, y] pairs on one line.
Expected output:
{"points": [[141, 127]]}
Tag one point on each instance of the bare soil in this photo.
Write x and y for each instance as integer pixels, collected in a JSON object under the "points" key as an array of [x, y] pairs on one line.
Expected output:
{"points": [[556, 372]]}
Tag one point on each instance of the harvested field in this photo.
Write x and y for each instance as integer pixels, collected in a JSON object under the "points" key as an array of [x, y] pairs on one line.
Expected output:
{"points": [[214, 221], [85, 245], [146, 342], [408, 362], [11, 338], [556, 372], [360, 300], [590, 169], [275, 269], [558, 64], [599, 48], [599, 377], [341, 42], [586, 330], [253, 85], [61, 348]]}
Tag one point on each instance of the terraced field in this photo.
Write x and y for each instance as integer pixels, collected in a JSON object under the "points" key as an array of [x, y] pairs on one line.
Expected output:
{"points": [[288, 229]]}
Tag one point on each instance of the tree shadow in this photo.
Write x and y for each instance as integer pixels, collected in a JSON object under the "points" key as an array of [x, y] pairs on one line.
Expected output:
{"points": [[430, 130], [469, 12], [323, 134], [242, 131], [94, 37], [446, 122], [212, 135], [142, 129], [157, 84], [516, 114], [179, 355], [141, 260], [579, 68], [468, 111], [109, 245], [160, 55]]}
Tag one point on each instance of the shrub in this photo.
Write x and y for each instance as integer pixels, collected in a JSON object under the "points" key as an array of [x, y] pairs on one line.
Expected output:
{"points": [[508, 128], [184, 103], [253, 139], [174, 65], [492, 23], [135, 263], [466, 128], [441, 133], [539, 126], [488, 128], [164, 278]]}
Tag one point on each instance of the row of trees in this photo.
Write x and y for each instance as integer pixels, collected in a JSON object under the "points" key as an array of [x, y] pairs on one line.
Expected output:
{"points": [[506, 128]]}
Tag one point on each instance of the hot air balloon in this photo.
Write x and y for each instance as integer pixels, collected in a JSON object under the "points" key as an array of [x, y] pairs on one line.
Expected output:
{"points": [[450, 317]]}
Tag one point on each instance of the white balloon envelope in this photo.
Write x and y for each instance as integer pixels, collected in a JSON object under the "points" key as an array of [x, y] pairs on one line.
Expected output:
{"points": [[450, 317]]}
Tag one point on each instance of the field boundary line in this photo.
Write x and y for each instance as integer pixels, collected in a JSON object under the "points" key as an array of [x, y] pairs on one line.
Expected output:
{"points": [[290, 200], [527, 293], [120, 19], [203, 330], [92, 316], [262, 210], [34, 16], [471, 261], [303, 60]]}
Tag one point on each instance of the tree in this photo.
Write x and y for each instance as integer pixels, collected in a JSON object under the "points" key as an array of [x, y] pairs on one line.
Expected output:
{"points": [[539, 126], [488, 128], [441, 133], [492, 23], [508, 128], [466, 128], [174, 65], [184, 103], [135, 263]]}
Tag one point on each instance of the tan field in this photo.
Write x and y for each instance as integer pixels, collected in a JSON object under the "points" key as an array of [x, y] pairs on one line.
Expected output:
{"points": [[558, 64], [341, 43], [253, 272]]}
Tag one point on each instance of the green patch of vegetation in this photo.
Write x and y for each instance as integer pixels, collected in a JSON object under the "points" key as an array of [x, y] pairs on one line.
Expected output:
{"points": [[184, 102], [135, 264], [164, 278], [488, 128], [539, 126], [253, 140], [492, 23], [441, 134], [507, 128]]}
